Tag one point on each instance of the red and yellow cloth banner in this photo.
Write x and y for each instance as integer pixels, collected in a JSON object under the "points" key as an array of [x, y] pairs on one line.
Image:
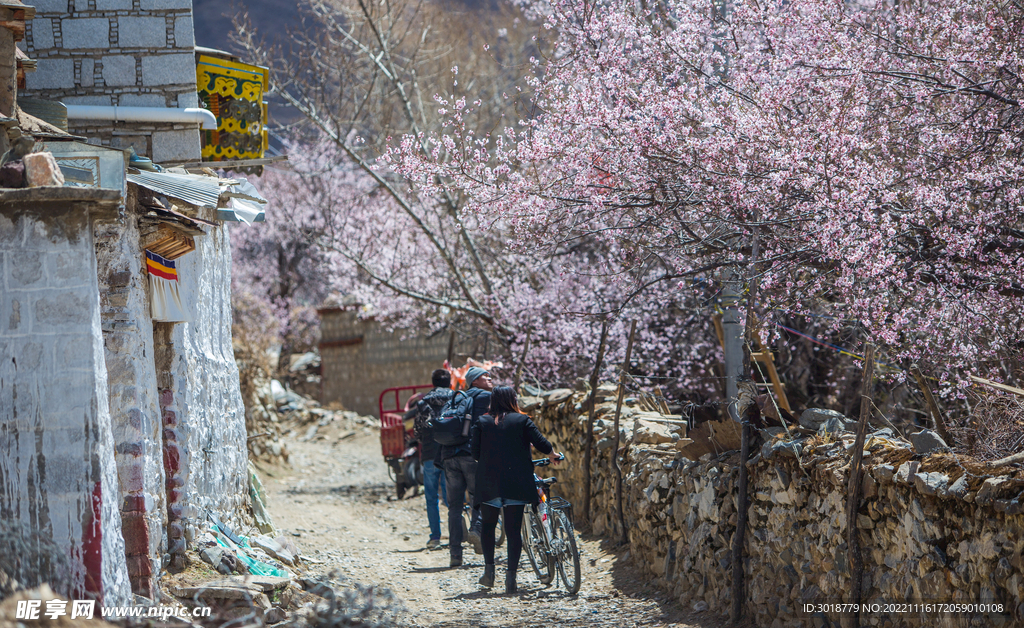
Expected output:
{"points": [[165, 302]]}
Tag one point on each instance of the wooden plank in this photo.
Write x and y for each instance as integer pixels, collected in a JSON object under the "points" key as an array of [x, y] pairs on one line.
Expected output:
{"points": [[659, 396], [780, 390], [765, 357], [717, 320], [997, 386], [672, 421], [938, 422]]}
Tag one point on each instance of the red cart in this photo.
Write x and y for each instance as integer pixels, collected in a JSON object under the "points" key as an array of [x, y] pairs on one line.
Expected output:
{"points": [[398, 443]]}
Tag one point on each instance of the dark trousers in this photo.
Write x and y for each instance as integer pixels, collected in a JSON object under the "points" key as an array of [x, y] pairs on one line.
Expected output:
{"points": [[460, 476], [513, 533]]}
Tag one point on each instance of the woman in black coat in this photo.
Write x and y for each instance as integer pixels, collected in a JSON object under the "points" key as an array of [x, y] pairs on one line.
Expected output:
{"points": [[501, 443]]}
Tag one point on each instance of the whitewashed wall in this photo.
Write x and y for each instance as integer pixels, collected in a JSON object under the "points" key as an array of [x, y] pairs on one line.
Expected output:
{"points": [[57, 472], [134, 400], [210, 416]]}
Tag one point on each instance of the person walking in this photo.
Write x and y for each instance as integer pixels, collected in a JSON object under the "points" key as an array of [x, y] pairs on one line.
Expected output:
{"points": [[460, 469], [500, 443], [429, 407]]}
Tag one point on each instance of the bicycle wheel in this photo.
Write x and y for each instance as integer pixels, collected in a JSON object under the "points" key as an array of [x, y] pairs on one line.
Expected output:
{"points": [[536, 548], [499, 532], [567, 555]]}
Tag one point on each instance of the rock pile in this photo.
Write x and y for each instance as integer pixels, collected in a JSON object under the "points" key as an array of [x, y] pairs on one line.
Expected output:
{"points": [[274, 411], [933, 528]]}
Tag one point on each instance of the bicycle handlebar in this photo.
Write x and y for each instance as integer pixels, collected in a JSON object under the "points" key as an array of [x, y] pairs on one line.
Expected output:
{"points": [[543, 462]]}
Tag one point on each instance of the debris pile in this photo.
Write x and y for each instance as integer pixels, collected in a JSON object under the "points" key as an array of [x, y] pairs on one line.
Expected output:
{"points": [[303, 375], [262, 580], [934, 527]]}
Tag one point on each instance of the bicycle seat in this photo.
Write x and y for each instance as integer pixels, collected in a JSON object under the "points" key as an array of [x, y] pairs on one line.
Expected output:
{"points": [[548, 481]]}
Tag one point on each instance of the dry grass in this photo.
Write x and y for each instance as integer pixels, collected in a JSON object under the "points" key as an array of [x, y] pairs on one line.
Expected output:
{"points": [[993, 430]]}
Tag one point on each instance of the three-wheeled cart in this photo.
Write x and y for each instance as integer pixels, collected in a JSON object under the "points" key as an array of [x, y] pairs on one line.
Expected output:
{"points": [[397, 407]]}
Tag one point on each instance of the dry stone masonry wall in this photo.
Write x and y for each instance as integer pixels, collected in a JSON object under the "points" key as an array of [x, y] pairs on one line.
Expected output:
{"points": [[932, 528]]}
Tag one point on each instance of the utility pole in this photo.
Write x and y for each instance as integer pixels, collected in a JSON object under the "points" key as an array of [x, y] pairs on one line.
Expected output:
{"points": [[732, 332]]}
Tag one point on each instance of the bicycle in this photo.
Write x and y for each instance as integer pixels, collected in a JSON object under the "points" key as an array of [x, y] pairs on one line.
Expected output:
{"points": [[549, 538]]}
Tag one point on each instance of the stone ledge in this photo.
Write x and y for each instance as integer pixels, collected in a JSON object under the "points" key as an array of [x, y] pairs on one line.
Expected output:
{"points": [[99, 201]]}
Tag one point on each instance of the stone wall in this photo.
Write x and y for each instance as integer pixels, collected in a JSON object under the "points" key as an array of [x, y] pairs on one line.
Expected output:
{"points": [[57, 472], [134, 403], [137, 53], [932, 528]]}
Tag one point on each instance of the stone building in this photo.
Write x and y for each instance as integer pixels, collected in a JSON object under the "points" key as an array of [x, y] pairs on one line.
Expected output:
{"points": [[97, 54], [122, 426], [57, 469], [360, 357]]}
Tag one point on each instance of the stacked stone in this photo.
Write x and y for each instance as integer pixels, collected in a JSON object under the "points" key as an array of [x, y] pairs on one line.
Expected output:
{"points": [[932, 528], [131, 53], [263, 421]]}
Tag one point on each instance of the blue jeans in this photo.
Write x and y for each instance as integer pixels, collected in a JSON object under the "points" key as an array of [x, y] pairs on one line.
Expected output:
{"points": [[433, 477]]}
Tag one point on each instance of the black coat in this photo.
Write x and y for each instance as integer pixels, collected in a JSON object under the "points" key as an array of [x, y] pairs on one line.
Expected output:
{"points": [[505, 466]]}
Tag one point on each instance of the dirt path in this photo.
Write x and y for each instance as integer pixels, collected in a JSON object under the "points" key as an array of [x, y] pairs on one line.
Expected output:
{"points": [[338, 503]]}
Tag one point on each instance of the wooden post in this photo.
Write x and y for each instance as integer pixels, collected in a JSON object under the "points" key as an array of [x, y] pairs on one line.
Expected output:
{"points": [[742, 497], [522, 359], [738, 539], [589, 448], [451, 349], [856, 560], [615, 448], [937, 421]]}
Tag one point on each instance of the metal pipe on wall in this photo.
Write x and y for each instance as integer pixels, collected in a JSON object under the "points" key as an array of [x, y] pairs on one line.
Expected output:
{"points": [[203, 117]]}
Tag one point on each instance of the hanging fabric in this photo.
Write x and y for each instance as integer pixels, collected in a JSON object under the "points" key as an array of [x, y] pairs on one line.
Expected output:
{"points": [[163, 282]]}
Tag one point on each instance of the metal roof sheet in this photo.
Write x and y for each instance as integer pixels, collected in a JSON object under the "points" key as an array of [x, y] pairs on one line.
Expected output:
{"points": [[192, 188]]}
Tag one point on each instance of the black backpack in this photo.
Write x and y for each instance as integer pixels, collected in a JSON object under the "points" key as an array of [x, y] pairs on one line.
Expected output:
{"points": [[451, 426]]}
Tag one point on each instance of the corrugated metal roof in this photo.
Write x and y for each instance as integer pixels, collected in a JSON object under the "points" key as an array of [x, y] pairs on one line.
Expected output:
{"points": [[229, 215], [244, 203], [194, 189]]}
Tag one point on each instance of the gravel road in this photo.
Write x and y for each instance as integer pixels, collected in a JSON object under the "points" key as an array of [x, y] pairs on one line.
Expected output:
{"points": [[337, 502]]}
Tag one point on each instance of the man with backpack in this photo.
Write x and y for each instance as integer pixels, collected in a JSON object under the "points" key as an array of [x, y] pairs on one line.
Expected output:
{"points": [[429, 409], [451, 430]]}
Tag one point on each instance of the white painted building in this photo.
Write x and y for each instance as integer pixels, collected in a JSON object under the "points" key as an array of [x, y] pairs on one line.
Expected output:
{"points": [[119, 432]]}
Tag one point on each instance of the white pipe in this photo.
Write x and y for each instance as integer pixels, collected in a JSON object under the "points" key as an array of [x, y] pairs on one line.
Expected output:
{"points": [[203, 117]]}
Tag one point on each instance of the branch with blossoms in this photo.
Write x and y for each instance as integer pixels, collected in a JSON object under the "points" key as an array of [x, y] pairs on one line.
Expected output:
{"points": [[879, 151]]}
